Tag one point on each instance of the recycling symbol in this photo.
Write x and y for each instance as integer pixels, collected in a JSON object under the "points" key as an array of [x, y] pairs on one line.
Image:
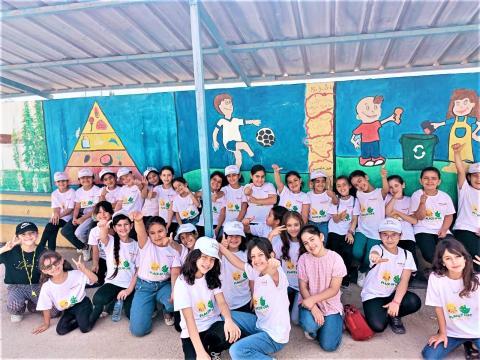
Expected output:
{"points": [[419, 152]]}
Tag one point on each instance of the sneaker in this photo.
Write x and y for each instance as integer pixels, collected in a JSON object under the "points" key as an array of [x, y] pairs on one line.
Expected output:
{"points": [[16, 318], [215, 355], [361, 278], [86, 254], [378, 160], [396, 325], [308, 336], [169, 320]]}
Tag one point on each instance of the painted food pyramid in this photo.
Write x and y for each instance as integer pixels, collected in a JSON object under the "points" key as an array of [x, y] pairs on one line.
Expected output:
{"points": [[98, 146]]}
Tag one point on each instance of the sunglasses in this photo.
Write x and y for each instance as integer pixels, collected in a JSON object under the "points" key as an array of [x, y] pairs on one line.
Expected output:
{"points": [[51, 265]]}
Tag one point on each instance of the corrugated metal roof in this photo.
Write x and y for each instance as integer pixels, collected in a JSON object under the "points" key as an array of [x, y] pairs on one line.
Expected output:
{"points": [[57, 46]]}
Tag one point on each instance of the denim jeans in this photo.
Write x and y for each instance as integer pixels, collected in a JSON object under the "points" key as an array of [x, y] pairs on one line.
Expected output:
{"points": [[328, 335], [322, 227], [257, 344], [147, 295], [192, 221], [440, 352], [361, 250], [293, 296]]}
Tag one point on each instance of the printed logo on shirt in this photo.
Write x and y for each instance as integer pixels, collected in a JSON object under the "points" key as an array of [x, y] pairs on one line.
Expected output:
{"points": [[387, 279], [203, 309], [65, 303], [188, 214], [86, 203], [317, 214], [164, 205], [123, 264], [290, 206], [291, 267], [475, 210], [214, 209], [238, 277], [260, 305], [455, 312], [233, 207], [432, 215], [127, 200], [367, 211], [157, 269]]}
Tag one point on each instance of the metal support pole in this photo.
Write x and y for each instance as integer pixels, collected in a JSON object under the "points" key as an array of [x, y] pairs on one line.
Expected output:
{"points": [[201, 116]]}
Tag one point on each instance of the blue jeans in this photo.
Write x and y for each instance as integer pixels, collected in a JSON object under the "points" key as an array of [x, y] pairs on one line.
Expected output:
{"points": [[192, 221], [147, 295], [440, 352], [329, 335], [257, 343], [370, 149], [361, 250], [322, 227]]}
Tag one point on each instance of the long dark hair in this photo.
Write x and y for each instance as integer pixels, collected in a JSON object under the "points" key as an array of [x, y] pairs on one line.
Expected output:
{"points": [[189, 269], [296, 174], [470, 280], [263, 244], [221, 176], [278, 212], [50, 254], [243, 243], [285, 236], [116, 242], [155, 220], [105, 205], [309, 229]]}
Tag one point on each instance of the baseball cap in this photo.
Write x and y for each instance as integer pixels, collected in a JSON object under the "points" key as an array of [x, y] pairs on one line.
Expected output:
{"points": [[25, 226], [208, 246], [315, 174], [106, 171], [85, 172], [474, 168], [390, 224], [149, 170], [185, 228], [123, 171], [60, 176], [232, 169], [233, 228]]}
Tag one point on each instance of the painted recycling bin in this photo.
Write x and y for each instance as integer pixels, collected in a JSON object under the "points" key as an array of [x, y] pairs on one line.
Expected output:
{"points": [[418, 150]]}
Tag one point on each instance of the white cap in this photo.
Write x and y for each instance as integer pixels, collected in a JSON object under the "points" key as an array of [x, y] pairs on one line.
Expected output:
{"points": [[85, 172], [123, 171], [106, 171], [185, 228], [474, 168], [208, 246], [233, 228], [390, 224], [232, 169], [59, 176], [149, 170], [315, 174]]}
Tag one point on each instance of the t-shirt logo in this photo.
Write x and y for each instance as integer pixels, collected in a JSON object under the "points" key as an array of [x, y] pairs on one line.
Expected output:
{"points": [[260, 305], [156, 269], [475, 210], [123, 264], [238, 277], [367, 211], [432, 215], [317, 214], [205, 310], [63, 303], [387, 279], [164, 204], [233, 207], [127, 200], [86, 203], [455, 312]]}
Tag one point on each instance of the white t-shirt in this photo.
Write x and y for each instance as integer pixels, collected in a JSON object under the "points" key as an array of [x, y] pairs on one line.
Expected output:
{"points": [[64, 295], [231, 129], [372, 213], [185, 207], [94, 239], [353, 208], [155, 262], [462, 314], [260, 212], [200, 299], [183, 254], [234, 199], [127, 257], [64, 201], [271, 304], [289, 266], [468, 209], [437, 207], [319, 205], [165, 201], [262, 230], [150, 206], [87, 199], [112, 196], [383, 278], [235, 285], [131, 198], [403, 205], [293, 201], [217, 206]]}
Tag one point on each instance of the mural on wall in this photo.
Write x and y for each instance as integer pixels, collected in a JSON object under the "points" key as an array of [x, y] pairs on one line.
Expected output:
{"points": [[98, 146], [23, 148]]}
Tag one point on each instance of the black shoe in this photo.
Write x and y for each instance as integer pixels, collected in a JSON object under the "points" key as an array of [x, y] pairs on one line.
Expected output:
{"points": [[396, 325], [470, 352], [416, 283]]}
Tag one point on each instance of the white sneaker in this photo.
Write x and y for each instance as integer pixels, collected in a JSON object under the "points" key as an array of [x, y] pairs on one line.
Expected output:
{"points": [[308, 336], [86, 254], [169, 321], [16, 318], [361, 278], [79, 251], [215, 356]]}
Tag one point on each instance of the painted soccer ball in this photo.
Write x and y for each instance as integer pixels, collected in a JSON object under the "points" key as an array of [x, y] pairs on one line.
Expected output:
{"points": [[265, 137]]}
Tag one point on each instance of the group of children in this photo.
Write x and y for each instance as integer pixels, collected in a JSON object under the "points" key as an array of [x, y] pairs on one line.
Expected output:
{"points": [[278, 256]]}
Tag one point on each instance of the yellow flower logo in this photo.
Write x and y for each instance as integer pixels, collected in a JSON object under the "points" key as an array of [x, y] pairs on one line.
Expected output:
{"points": [[255, 301], [428, 213], [451, 308], [290, 265], [313, 211], [63, 304], [386, 276], [201, 306], [236, 276], [230, 205], [184, 214], [154, 266], [161, 203]]}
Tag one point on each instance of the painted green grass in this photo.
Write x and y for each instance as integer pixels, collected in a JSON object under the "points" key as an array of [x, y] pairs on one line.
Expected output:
{"points": [[10, 181]]}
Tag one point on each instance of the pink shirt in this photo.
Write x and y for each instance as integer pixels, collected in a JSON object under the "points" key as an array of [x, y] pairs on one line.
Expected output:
{"points": [[319, 275]]}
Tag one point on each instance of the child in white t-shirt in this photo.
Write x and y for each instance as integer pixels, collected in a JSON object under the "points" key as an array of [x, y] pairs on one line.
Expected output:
{"points": [[158, 269], [149, 192], [454, 290], [110, 191], [218, 204], [321, 198], [291, 196], [467, 225], [268, 331], [434, 211], [130, 196], [64, 289], [384, 295], [372, 213], [165, 195], [122, 257], [261, 195], [272, 227], [235, 197], [185, 204], [198, 296], [63, 202]]}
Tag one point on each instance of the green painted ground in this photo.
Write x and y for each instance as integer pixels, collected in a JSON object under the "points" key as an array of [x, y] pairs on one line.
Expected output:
{"points": [[23, 180]]}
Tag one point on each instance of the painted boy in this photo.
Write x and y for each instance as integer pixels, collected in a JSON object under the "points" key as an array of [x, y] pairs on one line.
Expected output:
{"points": [[366, 136]]}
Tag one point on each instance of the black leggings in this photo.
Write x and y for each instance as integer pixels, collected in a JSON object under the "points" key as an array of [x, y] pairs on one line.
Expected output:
{"points": [[49, 236], [76, 316], [338, 244], [105, 295], [376, 315], [213, 340], [471, 242], [426, 243]]}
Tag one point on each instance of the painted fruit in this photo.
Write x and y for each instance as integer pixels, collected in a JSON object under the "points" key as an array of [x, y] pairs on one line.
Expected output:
{"points": [[101, 125], [106, 160]]}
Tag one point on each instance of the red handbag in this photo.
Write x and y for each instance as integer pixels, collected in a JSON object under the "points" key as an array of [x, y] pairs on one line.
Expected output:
{"points": [[356, 324]]}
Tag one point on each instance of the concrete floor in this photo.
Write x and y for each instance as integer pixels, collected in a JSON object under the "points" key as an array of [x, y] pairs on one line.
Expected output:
{"points": [[113, 340]]}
